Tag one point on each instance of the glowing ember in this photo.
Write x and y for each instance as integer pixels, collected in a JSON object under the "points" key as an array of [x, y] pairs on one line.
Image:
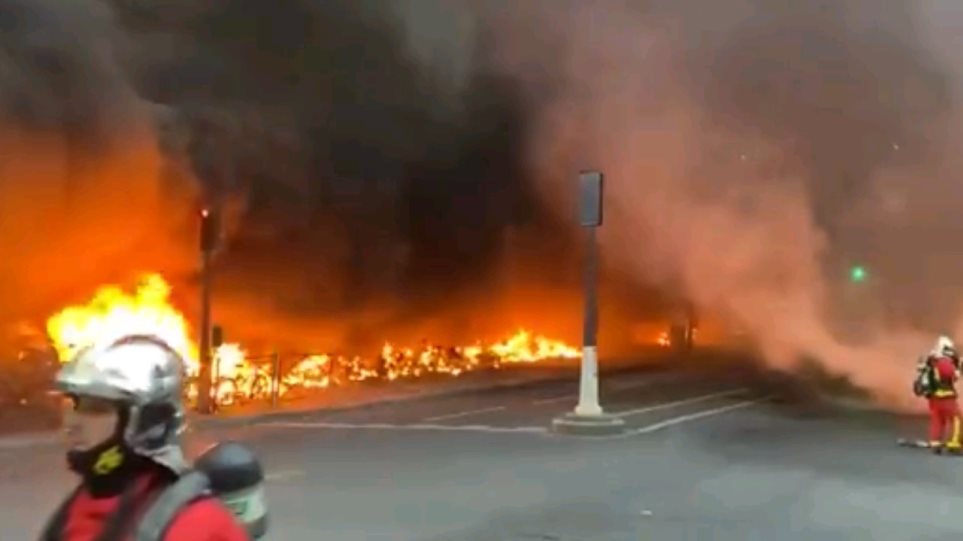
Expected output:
{"points": [[112, 313]]}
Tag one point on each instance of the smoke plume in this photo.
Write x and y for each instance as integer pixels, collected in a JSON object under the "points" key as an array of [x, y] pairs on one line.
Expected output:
{"points": [[371, 191], [367, 192], [410, 165], [756, 151], [80, 187]]}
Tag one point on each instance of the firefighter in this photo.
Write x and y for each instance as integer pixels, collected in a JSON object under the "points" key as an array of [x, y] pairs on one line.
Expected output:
{"points": [[123, 426], [938, 375]]}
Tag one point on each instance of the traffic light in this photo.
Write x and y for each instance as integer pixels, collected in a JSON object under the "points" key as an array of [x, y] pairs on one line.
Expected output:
{"points": [[209, 231], [857, 273], [217, 336]]}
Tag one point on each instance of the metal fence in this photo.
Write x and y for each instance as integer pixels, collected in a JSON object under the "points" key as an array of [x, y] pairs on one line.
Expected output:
{"points": [[269, 376]]}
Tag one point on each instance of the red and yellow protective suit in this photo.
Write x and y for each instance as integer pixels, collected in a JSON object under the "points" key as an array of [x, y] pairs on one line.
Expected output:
{"points": [[944, 409], [203, 520]]}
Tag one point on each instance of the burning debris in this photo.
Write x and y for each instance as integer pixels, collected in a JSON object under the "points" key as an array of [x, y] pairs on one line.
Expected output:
{"points": [[238, 375]]}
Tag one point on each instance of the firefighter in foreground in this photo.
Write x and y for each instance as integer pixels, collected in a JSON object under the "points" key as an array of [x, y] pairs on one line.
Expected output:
{"points": [[123, 426], [936, 380]]}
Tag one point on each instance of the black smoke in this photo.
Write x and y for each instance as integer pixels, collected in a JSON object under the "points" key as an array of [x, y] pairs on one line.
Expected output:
{"points": [[351, 174], [356, 173], [57, 72], [361, 169]]}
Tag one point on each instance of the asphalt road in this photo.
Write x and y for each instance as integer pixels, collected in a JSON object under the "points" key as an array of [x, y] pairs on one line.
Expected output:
{"points": [[705, 459]]}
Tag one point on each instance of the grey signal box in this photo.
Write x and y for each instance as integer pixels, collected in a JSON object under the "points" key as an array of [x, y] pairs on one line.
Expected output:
{"points": [[590, 198]]}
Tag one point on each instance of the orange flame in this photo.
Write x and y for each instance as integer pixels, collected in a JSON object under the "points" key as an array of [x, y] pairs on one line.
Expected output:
{"points": [[113, 313]]}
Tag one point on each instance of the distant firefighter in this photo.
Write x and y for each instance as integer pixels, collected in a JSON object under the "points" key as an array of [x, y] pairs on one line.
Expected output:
{"points": [[936, 377]]}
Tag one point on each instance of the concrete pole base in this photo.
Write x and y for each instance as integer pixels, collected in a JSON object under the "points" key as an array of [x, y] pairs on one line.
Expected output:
{"points": [[572, 424]]}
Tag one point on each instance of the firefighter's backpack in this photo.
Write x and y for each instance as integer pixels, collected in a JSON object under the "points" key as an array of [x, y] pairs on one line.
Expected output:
{"points": [[925, 381], [228, 471]]}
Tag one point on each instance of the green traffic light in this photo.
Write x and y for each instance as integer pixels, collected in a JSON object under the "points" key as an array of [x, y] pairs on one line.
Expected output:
{"points": [[857, 274]]}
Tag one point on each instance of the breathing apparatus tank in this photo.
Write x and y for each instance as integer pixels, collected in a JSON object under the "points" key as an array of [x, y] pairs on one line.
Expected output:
{"points": [[237, 479]]}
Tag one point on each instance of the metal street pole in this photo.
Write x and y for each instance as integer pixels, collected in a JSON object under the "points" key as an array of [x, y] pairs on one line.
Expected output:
{"points": [[590, 184], [208, 238], [588, 419]]}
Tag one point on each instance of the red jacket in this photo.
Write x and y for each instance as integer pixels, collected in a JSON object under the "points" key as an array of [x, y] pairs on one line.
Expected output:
{"points": [[203, 520], [945, 371]]}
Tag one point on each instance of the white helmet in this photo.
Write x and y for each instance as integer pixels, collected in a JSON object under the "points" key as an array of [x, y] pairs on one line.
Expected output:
{"points": [[944, 347], [144, 374]]}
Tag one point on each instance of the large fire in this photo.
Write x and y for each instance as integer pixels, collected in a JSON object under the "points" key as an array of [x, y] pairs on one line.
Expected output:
{"points": [[113, 313]]}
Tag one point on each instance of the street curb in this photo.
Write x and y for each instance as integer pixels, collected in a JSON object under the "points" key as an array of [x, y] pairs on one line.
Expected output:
{"points": [[244, 420], [53, 438], [49, 439]]}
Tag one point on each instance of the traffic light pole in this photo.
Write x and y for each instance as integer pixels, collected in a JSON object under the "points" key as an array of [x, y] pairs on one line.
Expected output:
{"points": [[588, 389], [588, 419], [208, 235]]}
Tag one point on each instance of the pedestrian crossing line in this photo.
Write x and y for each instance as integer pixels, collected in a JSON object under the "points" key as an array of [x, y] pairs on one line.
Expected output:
{"points": [[411, 427], [683, 402], [694, 416], [673, 421]]}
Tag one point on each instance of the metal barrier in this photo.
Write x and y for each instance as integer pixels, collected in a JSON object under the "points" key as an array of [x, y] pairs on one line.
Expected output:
{"points": [[275, 378], [269, 376]]}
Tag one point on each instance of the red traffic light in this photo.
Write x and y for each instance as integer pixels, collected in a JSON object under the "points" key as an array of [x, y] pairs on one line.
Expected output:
{"points": [[209, 231]]}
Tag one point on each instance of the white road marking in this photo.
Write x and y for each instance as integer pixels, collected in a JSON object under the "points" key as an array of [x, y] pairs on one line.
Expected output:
{"points": [[677, 403], [280, 475], [694, 416], [422, 426], [552, 399], [463, 414]]}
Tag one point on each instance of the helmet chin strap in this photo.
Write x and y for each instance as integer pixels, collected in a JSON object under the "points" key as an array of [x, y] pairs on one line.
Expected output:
{"points": [[108, 466], [100, 460]]}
